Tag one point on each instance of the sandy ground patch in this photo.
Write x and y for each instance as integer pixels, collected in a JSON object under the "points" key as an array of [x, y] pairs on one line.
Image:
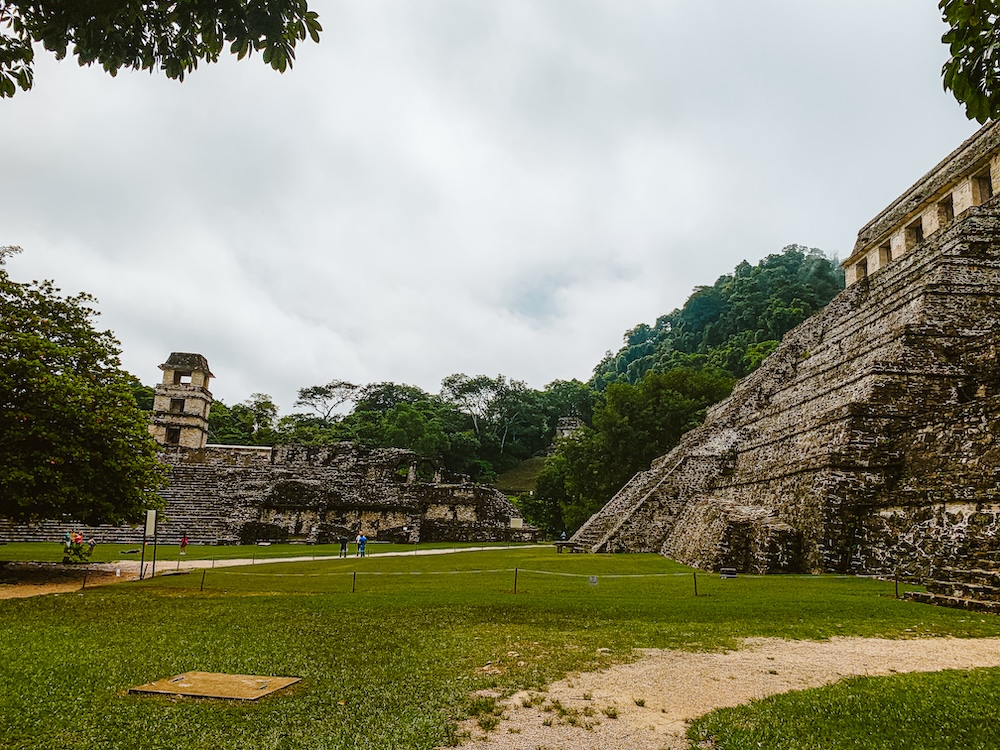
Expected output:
{"points": [[20, 580], [675, 687]]}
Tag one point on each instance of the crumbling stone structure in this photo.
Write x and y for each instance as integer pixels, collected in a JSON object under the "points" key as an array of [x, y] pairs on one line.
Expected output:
{"points": [[181, 402], [869, 441], [222, 494], [231, 494]]}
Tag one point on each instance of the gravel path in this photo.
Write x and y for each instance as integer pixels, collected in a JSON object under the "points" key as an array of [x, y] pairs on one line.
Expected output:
{"points": [[166, 566], [675, 687]]}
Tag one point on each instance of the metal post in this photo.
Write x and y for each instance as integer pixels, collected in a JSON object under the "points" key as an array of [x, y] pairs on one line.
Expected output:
{"points": [[203, 572], [156, 530], [354, 581], [84, 581], [695, 574], [896, 578], [515, 580]]}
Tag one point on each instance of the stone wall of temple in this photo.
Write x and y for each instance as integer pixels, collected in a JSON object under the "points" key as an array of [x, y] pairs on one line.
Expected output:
{"points": [[867, 442]]}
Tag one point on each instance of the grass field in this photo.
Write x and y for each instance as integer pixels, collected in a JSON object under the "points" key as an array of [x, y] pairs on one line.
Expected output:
{"points": [[393, 664], [522, 478]]}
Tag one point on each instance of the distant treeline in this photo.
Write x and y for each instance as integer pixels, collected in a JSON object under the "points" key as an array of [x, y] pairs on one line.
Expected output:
{"points": [[477, 426], [636, 406]]}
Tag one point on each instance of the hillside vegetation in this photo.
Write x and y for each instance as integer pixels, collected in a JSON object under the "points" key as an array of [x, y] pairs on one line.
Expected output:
{"points": [[733, 324]]}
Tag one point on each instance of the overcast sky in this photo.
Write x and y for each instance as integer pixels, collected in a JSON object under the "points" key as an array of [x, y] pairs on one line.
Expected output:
{"points": [[446, 186]]}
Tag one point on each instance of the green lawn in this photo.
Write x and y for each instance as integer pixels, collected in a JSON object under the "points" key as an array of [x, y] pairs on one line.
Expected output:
{"points": [[392, 665], [522, 478], [936, 711]]}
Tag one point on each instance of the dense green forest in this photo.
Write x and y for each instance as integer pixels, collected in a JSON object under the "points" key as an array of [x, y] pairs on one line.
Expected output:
{"points": [[733, 324], [476, 425], [661, 382], [636, 406]]}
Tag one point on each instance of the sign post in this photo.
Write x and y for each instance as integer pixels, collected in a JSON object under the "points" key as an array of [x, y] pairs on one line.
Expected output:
{"points": [[149, 529]]}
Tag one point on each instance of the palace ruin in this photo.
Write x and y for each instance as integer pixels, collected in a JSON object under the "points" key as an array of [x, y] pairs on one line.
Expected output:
{"points": [[227, 494]]}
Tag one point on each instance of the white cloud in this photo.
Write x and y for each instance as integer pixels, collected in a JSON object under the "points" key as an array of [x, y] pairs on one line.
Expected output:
{"points": [[443, 186]]}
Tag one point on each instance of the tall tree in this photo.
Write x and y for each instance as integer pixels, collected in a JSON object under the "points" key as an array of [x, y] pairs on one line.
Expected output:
{"points": [[148, 34], [472, 395], [325, 399], [75, 443]]}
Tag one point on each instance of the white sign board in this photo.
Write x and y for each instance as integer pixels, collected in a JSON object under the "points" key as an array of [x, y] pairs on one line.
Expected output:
{"points": [[517, 523], [150, 522]]}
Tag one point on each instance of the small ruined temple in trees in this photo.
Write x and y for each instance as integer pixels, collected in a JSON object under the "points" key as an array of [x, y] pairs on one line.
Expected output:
{"points": [[869, 441]]}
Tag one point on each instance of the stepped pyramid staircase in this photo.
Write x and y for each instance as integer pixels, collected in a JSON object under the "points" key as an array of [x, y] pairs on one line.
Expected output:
{"points": [[596, 534]]}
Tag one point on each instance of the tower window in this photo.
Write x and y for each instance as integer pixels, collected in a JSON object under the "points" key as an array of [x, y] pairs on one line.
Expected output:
{"points": [[946, 210], [173, 435], [982, 187], [176, 405], [182, 378], [914, 234]]}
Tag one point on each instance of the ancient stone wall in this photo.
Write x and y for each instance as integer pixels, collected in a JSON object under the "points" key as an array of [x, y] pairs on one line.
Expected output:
{"points": [[867, 442], [232, 494]]}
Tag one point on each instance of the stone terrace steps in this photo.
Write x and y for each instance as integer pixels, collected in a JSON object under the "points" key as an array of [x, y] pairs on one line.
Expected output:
{"points": [[192, 507], [976, 589], [603, 526], [956, 602], [969, 583], [600, 524]]}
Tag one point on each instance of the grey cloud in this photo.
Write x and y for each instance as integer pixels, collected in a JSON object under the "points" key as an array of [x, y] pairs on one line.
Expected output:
{"points": [[447, 186]]}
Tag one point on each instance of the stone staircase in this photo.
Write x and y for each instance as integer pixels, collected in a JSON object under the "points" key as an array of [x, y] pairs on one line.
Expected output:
{"points": [[976, 588], [595, 535], [192, 508]]}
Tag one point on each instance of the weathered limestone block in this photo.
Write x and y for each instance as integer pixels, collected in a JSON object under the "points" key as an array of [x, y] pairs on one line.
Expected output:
{"points": [[227, 495]]}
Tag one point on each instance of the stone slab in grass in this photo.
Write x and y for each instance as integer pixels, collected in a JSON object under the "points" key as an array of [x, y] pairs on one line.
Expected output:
{"points": [[242, 687]]}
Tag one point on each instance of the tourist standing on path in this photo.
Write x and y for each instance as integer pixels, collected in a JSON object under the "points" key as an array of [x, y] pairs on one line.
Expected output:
{"points": [[362, 543], [184, 544], [357, 540], [343, 545]]}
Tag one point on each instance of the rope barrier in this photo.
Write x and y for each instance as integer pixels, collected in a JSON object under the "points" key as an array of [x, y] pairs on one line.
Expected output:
{"points": [[364, 572], [459, 572]]}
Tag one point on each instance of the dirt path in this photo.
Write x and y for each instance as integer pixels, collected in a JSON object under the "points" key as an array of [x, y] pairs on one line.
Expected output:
{"points": [[21, 580], [675, 687]]}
